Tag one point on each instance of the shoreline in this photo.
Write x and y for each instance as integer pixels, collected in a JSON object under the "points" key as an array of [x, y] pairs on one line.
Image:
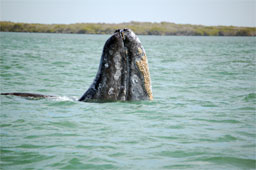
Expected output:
{"points": [[136, 34], [140, 28]]}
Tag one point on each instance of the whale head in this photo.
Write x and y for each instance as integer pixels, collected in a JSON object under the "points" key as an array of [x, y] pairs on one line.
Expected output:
{"points": [[123, 73]]}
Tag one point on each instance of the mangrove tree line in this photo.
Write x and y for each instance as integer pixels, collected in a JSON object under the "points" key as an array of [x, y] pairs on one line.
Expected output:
{"points": [[143, 28]]}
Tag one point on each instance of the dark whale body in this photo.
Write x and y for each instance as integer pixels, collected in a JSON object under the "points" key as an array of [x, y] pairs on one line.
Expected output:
{"points": [[123, 73], [29, 95]]}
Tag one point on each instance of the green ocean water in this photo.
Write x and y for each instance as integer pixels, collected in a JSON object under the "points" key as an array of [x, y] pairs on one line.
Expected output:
{"points": [[202, 117]]}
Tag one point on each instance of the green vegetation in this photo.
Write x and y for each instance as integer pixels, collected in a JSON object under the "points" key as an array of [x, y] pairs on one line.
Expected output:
{"points": [[143, 28]]}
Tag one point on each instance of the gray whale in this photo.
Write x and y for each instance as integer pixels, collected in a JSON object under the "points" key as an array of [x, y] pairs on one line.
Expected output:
{"points": [[123, 73]]}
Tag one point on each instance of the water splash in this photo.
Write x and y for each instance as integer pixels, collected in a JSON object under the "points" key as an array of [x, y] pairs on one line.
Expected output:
{"points": [[65, 98]]}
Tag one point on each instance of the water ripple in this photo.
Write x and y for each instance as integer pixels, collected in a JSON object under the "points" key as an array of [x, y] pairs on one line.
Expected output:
{"points": [[202, 115]]}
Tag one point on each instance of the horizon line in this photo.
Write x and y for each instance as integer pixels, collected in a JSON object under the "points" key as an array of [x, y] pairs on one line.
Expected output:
{"points": [[116, 23]]}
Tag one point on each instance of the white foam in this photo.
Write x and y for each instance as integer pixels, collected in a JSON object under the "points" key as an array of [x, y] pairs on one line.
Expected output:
{"points": [[65, 98]]}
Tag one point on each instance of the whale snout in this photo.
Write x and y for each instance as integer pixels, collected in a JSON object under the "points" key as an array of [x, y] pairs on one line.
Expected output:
{"points": [[123, 73], [126, 34]]}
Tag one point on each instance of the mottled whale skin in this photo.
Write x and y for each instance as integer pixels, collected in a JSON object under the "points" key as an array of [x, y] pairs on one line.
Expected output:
{"points": [[123, 73]]}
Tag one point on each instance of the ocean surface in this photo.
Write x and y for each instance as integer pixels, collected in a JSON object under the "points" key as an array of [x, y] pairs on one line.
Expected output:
{"points": [[202, 117]]}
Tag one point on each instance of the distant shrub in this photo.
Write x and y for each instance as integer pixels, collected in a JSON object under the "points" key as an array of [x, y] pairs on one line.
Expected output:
{"points": [[143, 28]]}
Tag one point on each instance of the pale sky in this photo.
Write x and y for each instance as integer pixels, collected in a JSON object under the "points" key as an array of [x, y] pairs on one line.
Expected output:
{"points": [[203, 12]]}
